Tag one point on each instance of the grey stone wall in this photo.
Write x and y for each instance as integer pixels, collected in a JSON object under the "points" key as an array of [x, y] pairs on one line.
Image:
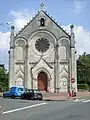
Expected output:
{"points": [[27, 62]]}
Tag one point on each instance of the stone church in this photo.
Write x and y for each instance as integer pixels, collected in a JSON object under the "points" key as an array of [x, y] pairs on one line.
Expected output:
{"points": [[42, 55]]}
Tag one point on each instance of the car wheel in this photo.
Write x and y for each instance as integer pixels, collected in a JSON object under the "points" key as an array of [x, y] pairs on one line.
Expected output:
{"points": [[40, 99], [32, 98], [3, 96], [22, 97], [13, 97]]}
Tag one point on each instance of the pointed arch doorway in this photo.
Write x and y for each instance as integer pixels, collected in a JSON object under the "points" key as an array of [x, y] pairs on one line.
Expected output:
{"points": [[42, 81]]}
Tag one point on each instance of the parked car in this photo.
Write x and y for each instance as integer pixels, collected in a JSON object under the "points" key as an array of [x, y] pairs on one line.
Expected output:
{"points": [[32, 94], [14, 91]]}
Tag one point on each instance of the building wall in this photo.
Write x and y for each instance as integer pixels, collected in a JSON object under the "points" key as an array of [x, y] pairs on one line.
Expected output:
{"points": [[28, 62]]}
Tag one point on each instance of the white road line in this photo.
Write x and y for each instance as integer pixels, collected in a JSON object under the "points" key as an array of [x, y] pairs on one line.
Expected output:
{"points": [[23, 108], [86, 101], [79, 100]]}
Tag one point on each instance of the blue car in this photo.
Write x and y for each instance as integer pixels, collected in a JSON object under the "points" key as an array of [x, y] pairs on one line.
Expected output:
{"points": [[13, 92]]}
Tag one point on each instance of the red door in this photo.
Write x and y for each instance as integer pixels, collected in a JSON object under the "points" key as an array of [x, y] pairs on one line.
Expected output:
{"points": [[42, 81]]}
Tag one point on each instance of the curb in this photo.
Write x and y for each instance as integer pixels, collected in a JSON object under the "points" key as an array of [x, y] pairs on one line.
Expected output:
{"points": [[67, 99], [53, 100]]}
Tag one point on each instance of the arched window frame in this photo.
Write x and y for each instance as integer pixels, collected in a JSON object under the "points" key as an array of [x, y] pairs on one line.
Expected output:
{"points": [[42, 22]]}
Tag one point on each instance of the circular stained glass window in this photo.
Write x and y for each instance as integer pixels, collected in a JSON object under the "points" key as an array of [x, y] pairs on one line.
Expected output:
{"points": [[42, 45]]}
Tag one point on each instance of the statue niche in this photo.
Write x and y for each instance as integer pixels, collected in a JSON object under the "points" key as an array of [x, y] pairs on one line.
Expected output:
{"points": [[20, 50], [64, 49]]}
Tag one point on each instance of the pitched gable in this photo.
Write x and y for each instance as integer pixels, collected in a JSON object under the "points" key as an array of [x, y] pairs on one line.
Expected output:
{"points": [[34, 25], [42, 63]]}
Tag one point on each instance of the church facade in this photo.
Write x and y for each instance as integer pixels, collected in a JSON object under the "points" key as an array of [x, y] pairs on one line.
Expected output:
{"points": [[42, 55]]}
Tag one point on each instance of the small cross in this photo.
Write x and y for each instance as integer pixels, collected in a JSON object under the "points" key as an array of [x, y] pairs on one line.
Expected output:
{"points": [[42, 6]]}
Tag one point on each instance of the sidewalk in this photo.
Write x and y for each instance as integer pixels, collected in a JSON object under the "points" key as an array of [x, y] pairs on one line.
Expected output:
{"points": [[83, 94], [63, 96]]}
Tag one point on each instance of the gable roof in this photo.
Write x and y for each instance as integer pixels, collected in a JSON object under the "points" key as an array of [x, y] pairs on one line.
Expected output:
{"points": [[35, 17], [56, 23]]}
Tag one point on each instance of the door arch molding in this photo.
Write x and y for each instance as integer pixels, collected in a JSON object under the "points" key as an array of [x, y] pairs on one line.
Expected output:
{"points": [[49, 78]]}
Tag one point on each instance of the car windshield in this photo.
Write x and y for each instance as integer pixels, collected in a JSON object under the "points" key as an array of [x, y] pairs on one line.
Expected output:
{"points": [[12, 89], [36, 91], [28, 91], [20, 89]]}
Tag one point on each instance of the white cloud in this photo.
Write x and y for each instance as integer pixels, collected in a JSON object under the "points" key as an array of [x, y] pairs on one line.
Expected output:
{"points": [[20, 18], [4, 40], [4, 47], [79, 5], [82, 38]]}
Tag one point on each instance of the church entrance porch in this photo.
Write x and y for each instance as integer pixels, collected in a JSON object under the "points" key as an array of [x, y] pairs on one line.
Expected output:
{"points": [[42, 81]]}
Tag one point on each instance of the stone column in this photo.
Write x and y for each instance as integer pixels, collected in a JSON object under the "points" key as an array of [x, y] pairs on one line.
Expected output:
{"points": [[69, 72], [73, 58], [11, 59], [26, 67], [11, 68], [31, 77], [76, 70], [56, 69]]}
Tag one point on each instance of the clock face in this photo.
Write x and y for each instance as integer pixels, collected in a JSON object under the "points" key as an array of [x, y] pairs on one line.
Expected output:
{"points": [[42, 45]]}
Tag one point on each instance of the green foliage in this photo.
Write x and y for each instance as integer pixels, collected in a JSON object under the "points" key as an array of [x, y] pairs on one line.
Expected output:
{"points": [[3, 79], [82, 86], [83, 69]]}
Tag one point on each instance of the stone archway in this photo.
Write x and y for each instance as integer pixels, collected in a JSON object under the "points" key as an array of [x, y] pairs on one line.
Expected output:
{"points": [[42, 83]]}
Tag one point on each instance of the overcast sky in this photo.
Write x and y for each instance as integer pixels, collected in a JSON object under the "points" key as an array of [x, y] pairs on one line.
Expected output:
{"points": [[65, 12]]}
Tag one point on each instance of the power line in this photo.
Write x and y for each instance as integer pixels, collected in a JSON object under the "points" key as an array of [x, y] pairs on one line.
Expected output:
{"points": [[2, 24]]}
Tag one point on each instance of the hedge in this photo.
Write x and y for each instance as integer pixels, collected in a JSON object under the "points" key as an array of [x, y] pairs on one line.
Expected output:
{"points": [[83, 86]]}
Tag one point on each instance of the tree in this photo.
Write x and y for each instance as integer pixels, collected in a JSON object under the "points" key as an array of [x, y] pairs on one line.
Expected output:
{"points": [[3, 79], [83, 69]]}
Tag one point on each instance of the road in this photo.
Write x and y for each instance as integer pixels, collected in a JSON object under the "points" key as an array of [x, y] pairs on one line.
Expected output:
{"points": [[44, 110]]}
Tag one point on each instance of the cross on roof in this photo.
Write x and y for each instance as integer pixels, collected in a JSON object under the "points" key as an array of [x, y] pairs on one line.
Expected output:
{"points": [[42, 6]]}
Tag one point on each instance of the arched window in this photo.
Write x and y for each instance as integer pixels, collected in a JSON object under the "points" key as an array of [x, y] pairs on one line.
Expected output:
{"points": [[19, 52], [42, 22]]}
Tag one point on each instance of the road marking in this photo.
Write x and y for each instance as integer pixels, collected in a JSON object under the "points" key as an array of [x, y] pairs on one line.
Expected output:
{"points": [[86, 101], [23, 108], [1, 109], [79, 100]]}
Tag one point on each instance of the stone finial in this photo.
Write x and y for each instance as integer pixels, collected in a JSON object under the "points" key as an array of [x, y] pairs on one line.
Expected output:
{"points": [[12, 30], [12, 37], [72, 36], [12, 27], [72, 28], [41, 6]]}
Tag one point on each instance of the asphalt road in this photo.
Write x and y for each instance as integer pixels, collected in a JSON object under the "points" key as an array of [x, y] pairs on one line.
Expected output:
{"points": [[44, 110]]}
